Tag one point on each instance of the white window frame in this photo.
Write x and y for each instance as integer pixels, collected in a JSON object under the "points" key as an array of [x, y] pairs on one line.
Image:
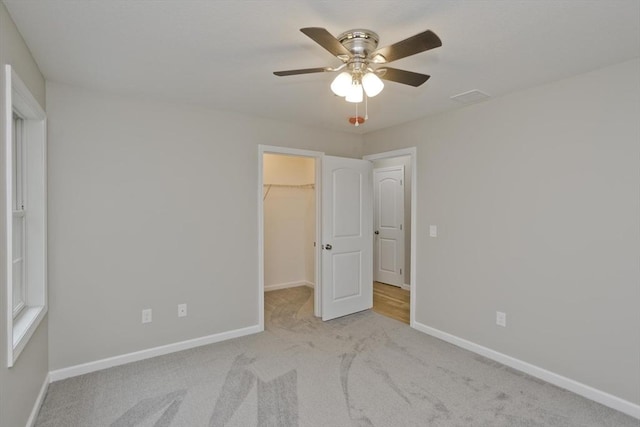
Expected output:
{"points": [[21, 325]]}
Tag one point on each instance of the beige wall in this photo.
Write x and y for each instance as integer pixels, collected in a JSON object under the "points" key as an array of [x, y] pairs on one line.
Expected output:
{"points": [[536, 198], [152, 205], [406, 162], [19, 385], [288, 170], [289, 220]]}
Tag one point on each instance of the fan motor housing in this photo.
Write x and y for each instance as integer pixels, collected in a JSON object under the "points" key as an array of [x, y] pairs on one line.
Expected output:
{"points": [[359, 42]]}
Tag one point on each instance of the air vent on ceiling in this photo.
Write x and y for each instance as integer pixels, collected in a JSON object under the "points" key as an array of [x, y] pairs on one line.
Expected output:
{"points": [[470, 97]]}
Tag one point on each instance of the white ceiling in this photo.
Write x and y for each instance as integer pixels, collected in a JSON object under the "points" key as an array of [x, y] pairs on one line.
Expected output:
{"points": [[221, 54]]}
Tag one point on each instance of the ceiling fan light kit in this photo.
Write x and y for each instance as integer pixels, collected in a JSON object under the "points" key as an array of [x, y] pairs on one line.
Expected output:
{"points": [[357, 49], [347, 85]]}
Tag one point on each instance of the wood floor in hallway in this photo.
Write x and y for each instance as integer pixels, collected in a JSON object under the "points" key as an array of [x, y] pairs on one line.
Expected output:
{"points": [[391, 301]]}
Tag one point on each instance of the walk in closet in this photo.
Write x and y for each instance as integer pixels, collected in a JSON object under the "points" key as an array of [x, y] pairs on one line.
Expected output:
{"points": [[289, 221]]}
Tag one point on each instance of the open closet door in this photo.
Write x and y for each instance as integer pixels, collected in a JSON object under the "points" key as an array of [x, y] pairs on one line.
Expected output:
{"points": [[347, 236]]}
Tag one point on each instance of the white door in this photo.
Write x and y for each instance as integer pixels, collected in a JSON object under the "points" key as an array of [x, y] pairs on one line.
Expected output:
{"points": [[388, 202], [347, 244]]}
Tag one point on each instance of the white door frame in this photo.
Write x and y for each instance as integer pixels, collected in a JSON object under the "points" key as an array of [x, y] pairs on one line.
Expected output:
{"points": [[412, 153], [317, 155]]}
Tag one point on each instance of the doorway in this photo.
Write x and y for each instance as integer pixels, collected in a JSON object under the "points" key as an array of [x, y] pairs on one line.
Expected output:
{"points": [[394, 180], [319, 181], [288, 227]]}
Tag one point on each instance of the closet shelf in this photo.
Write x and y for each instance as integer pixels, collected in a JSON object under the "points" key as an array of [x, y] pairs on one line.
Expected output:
{"points": [[301, 186], [291, 185]]}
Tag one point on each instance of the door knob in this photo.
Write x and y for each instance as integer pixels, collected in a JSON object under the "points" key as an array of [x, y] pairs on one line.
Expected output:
{"points": [[376, 232], [328, 247]]}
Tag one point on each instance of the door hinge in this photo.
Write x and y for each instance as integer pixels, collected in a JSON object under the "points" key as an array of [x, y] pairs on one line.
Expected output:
{"points": [[400, 226], [400, 182], [400, 271]]}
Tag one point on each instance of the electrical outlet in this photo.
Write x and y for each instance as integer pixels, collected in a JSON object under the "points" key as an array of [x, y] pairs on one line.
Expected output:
{"points": [[146, 315], [501, 319], [182, 310]]}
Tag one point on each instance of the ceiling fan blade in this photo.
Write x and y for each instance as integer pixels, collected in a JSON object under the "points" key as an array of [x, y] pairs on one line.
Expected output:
{"points": [[302, 71], [407, 47], [325, 39], [402, 76]]}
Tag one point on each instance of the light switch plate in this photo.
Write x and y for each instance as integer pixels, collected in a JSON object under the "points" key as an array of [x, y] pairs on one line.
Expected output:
{"points": [[501, 319], [146, 315], [433, 231]]}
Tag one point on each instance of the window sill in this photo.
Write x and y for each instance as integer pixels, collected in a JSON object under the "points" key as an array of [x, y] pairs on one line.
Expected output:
{"points": [[23, 328]]}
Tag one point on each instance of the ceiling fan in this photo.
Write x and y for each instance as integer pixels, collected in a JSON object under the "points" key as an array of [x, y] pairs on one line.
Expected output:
{"points": [[363, 63]]}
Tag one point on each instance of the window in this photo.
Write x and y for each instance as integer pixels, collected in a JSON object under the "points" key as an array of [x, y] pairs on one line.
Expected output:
{"points": [[19, 232], [26, 215]]}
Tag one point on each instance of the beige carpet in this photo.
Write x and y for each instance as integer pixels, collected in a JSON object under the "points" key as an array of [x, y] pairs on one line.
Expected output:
{"points": [[360, 370]]}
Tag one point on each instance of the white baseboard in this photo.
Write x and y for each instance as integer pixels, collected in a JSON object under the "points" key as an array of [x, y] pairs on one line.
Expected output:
{"points": [[286, 285], [36, 406], [406, 287], [109, 362], [584, 390]]}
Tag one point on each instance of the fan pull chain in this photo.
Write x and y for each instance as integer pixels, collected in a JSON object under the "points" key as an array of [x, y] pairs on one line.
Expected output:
{"points": [[357, 123], [366, 108]]}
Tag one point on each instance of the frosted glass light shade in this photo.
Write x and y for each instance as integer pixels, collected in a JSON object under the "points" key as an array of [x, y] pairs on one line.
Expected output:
{"points": [[372, 84], [355, 93], [341, 84]]}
